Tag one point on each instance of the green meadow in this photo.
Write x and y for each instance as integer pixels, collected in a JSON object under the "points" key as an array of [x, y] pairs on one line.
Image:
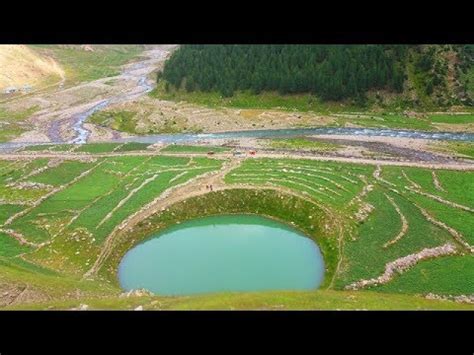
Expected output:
{"points": [[57, 214]]}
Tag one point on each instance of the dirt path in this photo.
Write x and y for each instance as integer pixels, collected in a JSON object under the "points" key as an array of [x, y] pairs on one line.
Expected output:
{"points": [[340, 248], [277, 155]]}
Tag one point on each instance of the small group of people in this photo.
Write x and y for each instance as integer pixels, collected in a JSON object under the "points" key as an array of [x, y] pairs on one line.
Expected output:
{"points": [[209, 187]]}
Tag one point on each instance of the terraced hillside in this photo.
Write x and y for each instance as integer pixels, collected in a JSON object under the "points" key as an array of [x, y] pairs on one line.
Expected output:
{"points": [[391, 236], [57, 213], [405, 229]]}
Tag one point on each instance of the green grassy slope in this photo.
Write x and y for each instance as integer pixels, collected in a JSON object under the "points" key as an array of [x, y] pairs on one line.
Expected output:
{"points": [[354, 212], [81, 65], [317, 300]]}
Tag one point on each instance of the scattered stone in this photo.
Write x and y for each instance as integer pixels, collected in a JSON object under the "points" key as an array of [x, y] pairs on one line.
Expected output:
{"points": [[136, 293], [461, 298], [402, 264], [364, 212], [24, 185], [403, 219]]}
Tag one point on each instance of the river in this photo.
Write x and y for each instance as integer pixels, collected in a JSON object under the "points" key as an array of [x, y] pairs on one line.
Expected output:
{"points": [[292, 132]]}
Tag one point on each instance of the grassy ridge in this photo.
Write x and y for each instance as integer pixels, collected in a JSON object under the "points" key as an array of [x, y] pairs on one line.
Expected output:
{"points": [[317, 300]]}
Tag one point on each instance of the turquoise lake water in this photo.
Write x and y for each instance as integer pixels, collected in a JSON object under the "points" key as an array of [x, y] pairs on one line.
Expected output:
{"points": [[223, 253]]}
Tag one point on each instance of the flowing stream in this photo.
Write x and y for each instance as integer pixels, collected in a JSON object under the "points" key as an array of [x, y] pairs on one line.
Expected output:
{"points": [[292, 132]]}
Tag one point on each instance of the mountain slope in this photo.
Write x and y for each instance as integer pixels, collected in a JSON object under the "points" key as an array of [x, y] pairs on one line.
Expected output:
{"points": [[420, 75], [22, 65]]}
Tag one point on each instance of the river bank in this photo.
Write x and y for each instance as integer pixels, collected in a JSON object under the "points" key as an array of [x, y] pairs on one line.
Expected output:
{"points": [[61, 113]]}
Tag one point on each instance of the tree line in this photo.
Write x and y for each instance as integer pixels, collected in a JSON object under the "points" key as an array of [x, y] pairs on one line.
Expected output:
{"points": [[332, 72]]}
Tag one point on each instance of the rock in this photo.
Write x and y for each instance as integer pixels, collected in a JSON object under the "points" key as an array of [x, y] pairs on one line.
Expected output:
{"points": [[136, 293], [83, 307], [402, 264], [139, 308]]}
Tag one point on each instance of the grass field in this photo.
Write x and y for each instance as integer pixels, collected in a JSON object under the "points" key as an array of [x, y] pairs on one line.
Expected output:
{"points": [[87, 148], [317, 300], [268, 100], [384, 120], [444, 276], [464, 118], [98, 147], [127, 147], [329, 183], [81, 65], [12, 122], [78, 212], [51, 147], [365, 252], [55, 216], [302, 143], [178, 148], [464, 149], [118, 120]]}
